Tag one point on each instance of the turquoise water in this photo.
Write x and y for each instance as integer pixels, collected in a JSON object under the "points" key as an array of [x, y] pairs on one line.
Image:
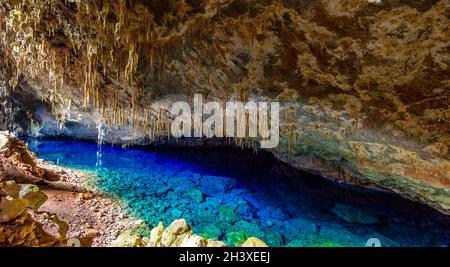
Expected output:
{"points": [[232, 194]]}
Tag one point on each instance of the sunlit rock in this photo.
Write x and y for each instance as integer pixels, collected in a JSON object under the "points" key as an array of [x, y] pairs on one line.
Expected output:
{"points": [[254, 242]]}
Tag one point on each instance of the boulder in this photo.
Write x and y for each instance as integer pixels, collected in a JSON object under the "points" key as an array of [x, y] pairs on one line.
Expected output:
{"points": [[28, 192], [129, 238], [229, 215], [11, 208], [179, 234], [215, 243], [175, 233], [178, 227], [254, 242], [18, 198], [211, 232], [194, 241], [236, 239], [155, 236], [195, 194]]}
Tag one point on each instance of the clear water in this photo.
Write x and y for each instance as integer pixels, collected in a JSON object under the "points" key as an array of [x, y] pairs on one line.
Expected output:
{"points": [[231, 195]]}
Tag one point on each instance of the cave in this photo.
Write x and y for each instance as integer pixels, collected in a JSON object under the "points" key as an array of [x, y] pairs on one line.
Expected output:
{"points": [[224, 123]]}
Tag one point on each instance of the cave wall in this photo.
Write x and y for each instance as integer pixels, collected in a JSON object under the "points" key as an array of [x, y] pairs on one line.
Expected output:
{"points": [[364, 85]]}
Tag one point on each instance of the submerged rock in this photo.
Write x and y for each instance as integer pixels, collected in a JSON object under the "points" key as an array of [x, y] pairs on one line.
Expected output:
{"points": [[236, 239], [211, 231], [354, 215], [229, 215], [195, 194]]}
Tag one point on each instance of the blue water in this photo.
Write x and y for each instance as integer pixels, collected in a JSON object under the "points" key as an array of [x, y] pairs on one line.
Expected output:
{"points": [[231, 195]]}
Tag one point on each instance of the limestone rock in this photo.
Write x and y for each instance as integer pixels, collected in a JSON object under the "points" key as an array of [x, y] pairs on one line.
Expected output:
{"points": [[178, 227], [28, 192], [194, 241], [19, 164], [128, 238], [215, 243], [179, 234], [11, 209], [18, 198], [155, 236], [23, 231], [175, 233], [254, 242]]}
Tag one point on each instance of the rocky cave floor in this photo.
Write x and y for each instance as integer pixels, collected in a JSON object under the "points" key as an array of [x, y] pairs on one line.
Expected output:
{"points": [[48, 205], [94, 218]]}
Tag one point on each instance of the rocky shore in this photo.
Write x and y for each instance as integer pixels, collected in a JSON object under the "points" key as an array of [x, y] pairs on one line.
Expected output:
{"points": [[47, 205]]}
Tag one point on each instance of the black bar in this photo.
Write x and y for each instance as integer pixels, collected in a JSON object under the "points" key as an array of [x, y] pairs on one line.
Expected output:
{"points": [[225, 256]]}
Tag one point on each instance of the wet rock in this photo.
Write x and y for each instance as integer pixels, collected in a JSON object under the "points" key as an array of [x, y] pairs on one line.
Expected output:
{"points": [[213, 185], [236, 239], [250, 229], [296, 225], [195, 194], [211, 231], [274, 213], [229, 215], [272, 238]]}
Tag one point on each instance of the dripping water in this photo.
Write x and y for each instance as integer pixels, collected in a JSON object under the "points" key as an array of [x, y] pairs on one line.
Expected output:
{"points": [[100, 140]]}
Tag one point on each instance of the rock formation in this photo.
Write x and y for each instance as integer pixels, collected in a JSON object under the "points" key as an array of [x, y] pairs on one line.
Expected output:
{"points": [[364, 85], [19, 202], [19, 164], [177, 234]]}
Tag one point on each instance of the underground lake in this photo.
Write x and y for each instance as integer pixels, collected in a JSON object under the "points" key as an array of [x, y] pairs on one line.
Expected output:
{"points": [[232, 194]]}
